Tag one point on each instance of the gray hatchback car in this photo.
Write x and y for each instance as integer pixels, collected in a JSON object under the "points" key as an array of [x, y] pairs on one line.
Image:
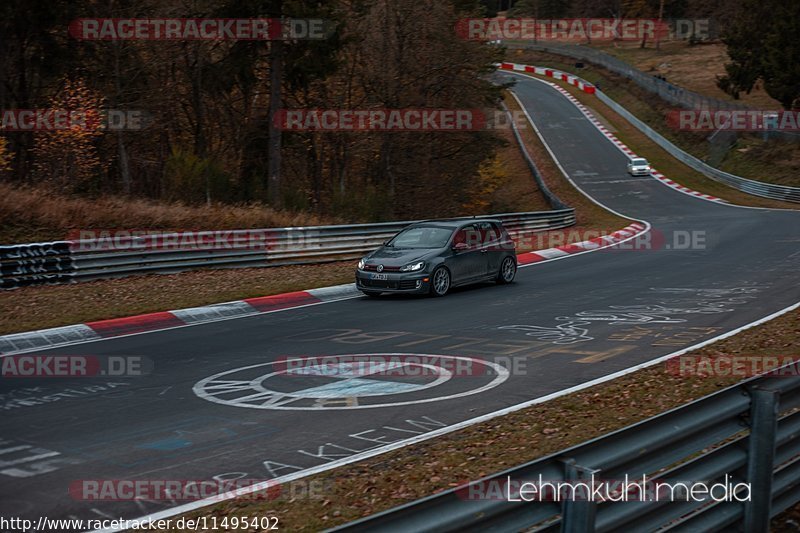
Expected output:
{"points": [[432, 257]]}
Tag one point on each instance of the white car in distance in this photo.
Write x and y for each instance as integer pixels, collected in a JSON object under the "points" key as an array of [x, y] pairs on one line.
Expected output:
{"points": [[639, 167]]}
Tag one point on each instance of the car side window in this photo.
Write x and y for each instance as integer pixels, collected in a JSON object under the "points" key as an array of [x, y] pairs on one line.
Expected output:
{"points": [[460, 236], [490, 232], [472, 236]]}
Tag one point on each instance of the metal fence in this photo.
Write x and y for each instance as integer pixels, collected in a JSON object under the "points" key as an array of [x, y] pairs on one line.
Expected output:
{"points": [[749, 432], [116, 256]]}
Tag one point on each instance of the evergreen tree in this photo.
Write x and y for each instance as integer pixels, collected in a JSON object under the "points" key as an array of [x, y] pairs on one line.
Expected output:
{"points": [[762, 44]]}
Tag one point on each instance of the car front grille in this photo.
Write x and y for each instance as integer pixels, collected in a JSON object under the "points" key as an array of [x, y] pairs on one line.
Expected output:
{"points": [[402, 285], [374, 268]]}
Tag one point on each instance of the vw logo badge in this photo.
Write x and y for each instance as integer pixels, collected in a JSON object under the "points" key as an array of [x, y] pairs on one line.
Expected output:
{"points": [[380, 268]]}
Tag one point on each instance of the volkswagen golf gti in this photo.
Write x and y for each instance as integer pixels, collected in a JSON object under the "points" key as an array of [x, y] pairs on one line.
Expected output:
{"points": [[434, 256]]}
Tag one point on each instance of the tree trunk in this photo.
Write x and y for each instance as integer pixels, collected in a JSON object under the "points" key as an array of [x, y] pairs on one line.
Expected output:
{"points": [[660, 18], [122, 152], [274, 133]]}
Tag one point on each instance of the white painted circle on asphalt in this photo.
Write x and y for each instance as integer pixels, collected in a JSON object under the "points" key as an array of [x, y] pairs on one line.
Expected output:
{"points": [[341, 387]]}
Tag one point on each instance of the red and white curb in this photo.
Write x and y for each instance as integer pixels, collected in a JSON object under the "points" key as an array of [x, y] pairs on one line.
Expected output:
{"points": [[583, 85], [117, 327], [132, 325], [617, 237], [589, 88]]}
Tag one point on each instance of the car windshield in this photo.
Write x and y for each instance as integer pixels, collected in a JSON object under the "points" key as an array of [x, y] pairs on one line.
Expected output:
{"points": [[422, 237], [639, 162]]}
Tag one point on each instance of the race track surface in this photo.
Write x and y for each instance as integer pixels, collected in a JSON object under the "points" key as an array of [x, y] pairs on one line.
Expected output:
{"points": [[575, 319]]}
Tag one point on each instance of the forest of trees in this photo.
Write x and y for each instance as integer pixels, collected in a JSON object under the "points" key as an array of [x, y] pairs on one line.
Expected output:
{"points": [[209, 103]]}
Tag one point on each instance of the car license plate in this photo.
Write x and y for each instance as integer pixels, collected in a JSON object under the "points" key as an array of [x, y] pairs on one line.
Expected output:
{"points": [[379, 276]]}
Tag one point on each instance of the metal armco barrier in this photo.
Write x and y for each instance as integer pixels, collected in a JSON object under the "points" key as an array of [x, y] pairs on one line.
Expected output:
{"points": [[666, 91], [82, 260], [749, 432], [552, 199], [756, 188]]}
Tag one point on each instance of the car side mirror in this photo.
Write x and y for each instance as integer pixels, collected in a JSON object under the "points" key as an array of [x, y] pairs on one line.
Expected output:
{"points": [[460, 246]]}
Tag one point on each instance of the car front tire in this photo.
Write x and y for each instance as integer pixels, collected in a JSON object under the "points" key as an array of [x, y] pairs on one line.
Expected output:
{"points": [[440, 282]]}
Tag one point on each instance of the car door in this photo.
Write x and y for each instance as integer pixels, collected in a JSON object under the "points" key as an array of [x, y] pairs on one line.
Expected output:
{"points": [[468, 264], [492, 237]]}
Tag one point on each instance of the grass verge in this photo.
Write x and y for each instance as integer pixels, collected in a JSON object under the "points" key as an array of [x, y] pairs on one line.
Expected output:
{"points": [[694, 67], [425, 468], [48, 306], [30, 214]]}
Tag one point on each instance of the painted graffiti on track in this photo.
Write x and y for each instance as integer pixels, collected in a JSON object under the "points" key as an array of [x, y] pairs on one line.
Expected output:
{"points": [[341, 382]]}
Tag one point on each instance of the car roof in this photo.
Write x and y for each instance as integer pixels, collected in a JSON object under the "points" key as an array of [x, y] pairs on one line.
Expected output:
{"points": [[453, 222]]}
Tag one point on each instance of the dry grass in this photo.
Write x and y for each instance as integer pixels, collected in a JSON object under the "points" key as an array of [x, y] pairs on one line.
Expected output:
{"points": [[787, 522], [39, 307], [398, 477], [38, 214], [518, 190], [693, 67]]}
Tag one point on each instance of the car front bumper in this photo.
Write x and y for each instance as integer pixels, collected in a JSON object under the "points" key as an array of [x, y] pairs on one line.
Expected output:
{"points": [[640, 172], [400, 282]]}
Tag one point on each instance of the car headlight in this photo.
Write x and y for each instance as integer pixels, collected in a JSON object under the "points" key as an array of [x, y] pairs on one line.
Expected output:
{"points": [[361, 264], [413, 267]]}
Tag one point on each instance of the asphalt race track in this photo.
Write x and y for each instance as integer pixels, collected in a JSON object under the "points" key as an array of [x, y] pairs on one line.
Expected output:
{"points": [[574, 320]]}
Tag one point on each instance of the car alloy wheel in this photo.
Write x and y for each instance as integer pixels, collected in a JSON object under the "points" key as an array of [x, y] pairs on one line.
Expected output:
{"points": [[508, 269], [440, 282]]}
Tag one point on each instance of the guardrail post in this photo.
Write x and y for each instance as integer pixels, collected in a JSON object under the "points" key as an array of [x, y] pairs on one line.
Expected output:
{"points": [[578, 515], [760, 458]]}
